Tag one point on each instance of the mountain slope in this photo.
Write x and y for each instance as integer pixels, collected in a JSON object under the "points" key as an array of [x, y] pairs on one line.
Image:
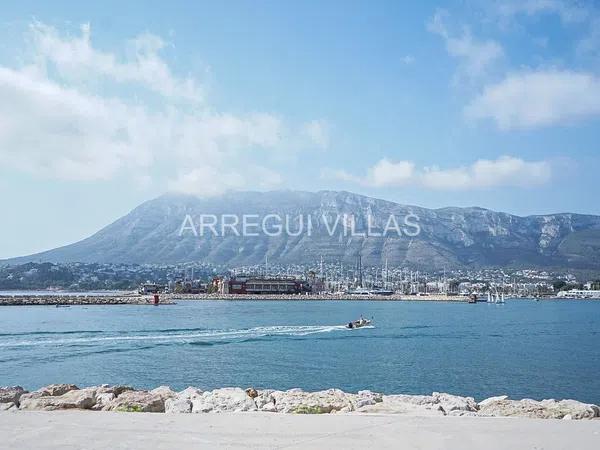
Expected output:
{"points": [[449, 237]]}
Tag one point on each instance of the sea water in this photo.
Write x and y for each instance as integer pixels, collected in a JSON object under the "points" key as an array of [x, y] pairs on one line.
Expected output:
{"points": [[546, 349]]}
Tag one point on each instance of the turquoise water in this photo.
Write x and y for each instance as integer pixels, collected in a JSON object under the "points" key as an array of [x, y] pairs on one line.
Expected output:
{"points": [[547, 349]]}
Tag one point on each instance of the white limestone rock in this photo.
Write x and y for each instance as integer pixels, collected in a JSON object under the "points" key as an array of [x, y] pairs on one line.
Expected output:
{"points": [[265, 400], [72, 399], [412, 405], [113, 389], [449, 402], [137, 401], [164, 392], [103, 400], [52, 390], [178, 405], [182, 402], [8, 406], [572, 408], [366, 398], [269, 407], [490, 400], [223, 400], [545, 409], [189, 393], [320, 402]]}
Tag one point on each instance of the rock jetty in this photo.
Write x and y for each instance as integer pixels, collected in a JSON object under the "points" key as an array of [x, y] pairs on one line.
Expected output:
{"points": [[292, 401], [320, 297], [68, 300]]}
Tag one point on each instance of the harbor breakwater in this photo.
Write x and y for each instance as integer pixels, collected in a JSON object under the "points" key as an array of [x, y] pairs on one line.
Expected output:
{"points": [[394, 297], [68, 300], [292, 401], [168, 299]]}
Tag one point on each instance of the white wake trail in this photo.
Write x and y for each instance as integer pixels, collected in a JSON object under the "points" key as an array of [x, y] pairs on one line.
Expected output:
{"points": [[234, 334]]}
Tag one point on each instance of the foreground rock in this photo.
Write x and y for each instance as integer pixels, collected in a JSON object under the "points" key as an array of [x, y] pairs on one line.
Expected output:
{"points": [[545, 409], [182, 401], [10, 394], [141, 401], [292, 401], [72, 399]]}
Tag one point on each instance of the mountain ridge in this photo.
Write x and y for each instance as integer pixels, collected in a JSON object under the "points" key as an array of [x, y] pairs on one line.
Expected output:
{"points": [[451, 237]]}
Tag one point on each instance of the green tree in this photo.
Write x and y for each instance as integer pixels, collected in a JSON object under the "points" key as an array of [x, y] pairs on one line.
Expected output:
{"points": [[559, 285]]}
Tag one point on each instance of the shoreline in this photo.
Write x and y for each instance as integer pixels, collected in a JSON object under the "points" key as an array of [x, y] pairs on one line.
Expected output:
{"points": [[292, 401]]}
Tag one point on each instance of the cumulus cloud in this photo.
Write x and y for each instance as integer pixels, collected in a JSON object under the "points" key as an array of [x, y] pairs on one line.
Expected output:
{"points": [[211, 181], [76, 59], [59, 132], [318, 133], [506, 171], [537, 99], [57, 120], [476, 56], [386, 173]]}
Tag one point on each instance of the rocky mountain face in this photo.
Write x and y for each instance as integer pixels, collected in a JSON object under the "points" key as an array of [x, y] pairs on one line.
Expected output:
{"points": [[336, 226]]}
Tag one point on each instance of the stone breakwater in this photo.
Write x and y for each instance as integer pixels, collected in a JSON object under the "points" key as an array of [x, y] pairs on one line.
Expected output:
{"points": [[293, 401], [394, 297], [169, 299], [68, 300]]}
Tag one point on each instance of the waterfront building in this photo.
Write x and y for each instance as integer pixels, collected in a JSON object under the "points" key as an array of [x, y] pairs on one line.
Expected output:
{"points": [[262, 285]]}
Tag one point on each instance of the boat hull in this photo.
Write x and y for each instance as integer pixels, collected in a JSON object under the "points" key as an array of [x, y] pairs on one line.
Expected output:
{"points": [[358, 324]]}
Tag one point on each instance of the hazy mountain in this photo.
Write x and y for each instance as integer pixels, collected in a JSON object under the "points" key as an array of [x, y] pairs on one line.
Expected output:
{"points": [[449, 237]]}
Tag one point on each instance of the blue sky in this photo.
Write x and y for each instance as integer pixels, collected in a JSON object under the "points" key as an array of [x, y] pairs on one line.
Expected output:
{"points": [[495, 104]]}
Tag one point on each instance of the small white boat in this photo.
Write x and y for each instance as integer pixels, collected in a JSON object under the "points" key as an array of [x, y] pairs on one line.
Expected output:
{"points": [[358, 323]]}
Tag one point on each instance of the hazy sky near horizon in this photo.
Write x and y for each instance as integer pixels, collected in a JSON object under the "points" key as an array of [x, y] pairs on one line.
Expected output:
{"points": [[105, 105]]}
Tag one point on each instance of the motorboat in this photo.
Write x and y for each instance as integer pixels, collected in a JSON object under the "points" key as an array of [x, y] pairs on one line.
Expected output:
{"points": [[358, 323]]}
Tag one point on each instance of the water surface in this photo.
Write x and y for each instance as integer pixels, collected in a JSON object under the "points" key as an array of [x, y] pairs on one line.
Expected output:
{"points": [[547, 349]]}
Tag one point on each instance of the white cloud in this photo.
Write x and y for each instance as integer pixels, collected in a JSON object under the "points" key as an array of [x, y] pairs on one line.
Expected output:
{"points": [[407, 59], [211, 181], [57, 124], [505, 171], [63, 133], [318, 132], [60, 133], [386, 173], [76, 59], [476, 56], [538, 98]]}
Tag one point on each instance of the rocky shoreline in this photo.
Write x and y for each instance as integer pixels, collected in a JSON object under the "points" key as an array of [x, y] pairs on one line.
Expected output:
{"points": [[293, 401]]}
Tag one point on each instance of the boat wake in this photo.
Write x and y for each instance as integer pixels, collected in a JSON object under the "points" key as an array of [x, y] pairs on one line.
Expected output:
{"points": [[173, 335]]}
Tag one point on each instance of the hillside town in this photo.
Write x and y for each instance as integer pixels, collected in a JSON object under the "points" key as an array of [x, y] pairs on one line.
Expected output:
{"points": [[320, 278]]}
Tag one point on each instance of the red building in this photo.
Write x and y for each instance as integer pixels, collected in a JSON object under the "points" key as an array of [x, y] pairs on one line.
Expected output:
{"points": [[262, 285]]}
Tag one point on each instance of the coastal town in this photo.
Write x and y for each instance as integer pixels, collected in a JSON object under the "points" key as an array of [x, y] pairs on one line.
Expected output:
{"points": [[123, 283]]}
